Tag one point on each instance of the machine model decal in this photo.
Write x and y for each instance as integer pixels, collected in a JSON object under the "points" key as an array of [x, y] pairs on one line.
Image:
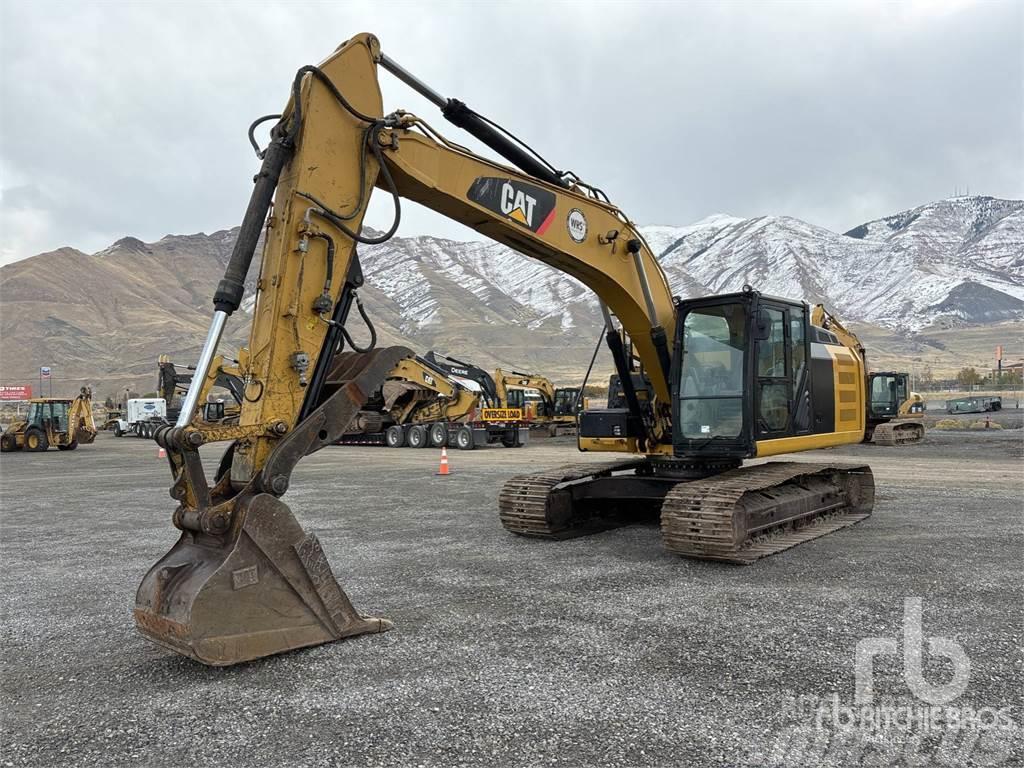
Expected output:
{"points": [[525, 204], [576, 223]]}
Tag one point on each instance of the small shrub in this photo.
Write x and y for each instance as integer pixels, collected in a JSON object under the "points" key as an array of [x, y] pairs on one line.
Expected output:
{"points": [[982, 425]]}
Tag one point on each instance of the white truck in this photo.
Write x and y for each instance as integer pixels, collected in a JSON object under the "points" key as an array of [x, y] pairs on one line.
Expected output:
{"points": [[142, 416]]}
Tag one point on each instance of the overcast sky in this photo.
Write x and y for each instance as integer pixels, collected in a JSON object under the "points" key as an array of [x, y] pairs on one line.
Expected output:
{"points": [[129, 118]]}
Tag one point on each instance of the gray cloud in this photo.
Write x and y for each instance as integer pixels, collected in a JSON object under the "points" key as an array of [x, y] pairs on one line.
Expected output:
{"points": [[129, 118]]}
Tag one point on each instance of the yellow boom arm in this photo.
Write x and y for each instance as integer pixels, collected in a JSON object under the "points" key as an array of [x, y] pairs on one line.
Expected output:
{"points": [[327, 153], [505, 379]]}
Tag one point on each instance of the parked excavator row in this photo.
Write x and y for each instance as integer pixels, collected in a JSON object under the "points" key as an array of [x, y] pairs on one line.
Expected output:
{"points": [[557, 410], [421, 405], [555, 413], [895, 415], [732, 377], [53, 421]]}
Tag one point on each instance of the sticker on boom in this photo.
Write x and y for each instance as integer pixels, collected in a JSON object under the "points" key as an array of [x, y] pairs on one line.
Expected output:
{"points": [[525, 204], [501, 414], [576, 223]]}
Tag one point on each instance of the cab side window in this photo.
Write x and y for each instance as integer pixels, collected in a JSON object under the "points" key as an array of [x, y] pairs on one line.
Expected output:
{"points": [[801, 372], [774, 383]]}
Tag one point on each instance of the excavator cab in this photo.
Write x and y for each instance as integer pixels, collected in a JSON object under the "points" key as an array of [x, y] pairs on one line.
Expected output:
{"points": [[516, 398], [741, 375], [566, 401], [888, 390], [741, 379]]}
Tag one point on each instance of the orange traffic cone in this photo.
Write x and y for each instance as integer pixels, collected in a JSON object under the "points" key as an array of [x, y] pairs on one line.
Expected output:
{"points": [[444, 470], [161, 453]]}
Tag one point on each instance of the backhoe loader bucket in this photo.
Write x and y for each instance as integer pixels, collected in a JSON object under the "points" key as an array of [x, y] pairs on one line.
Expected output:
{"points": [[264, 588]]}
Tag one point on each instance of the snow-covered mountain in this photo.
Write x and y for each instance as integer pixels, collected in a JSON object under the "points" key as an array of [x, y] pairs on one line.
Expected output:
{"points": [[105, 317], [954, 261]]}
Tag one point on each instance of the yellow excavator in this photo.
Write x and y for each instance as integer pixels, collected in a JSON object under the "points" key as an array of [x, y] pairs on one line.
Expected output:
{"points": [[894, 414], [53, 421], [557, 408], [731, 377]]}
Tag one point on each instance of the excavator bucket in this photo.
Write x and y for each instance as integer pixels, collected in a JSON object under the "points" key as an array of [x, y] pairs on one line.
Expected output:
{"points": [[266, 590], [265, 586]]}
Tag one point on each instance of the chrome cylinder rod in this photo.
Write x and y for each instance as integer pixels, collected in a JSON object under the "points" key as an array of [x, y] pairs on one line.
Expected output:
{"points": [[412, 81], [645, 287], [202, 369]]}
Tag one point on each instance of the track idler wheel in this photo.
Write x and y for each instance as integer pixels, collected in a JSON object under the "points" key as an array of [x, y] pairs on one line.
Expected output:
{"points": [[265, 587]]}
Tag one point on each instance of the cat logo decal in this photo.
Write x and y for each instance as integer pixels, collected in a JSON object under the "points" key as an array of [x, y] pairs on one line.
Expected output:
{"points": [[525, 204]]}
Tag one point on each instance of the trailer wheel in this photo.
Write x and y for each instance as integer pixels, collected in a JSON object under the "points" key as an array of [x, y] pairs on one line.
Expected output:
{"points": [[394, 437], [509, 441], [438, 435], [36, 440], [418, 436], [464, 439]]}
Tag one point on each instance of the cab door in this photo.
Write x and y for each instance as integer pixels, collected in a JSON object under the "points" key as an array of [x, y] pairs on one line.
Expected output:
{"points": [[782, 382]]}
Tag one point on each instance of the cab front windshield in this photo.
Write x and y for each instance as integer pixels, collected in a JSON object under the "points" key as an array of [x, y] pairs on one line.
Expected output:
{"points": [[887, 392], [55, 413], [565, 401], [711, 375]]}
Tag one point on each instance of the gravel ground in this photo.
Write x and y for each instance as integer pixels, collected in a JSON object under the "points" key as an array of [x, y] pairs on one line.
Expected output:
{"points": [[598, 651]]}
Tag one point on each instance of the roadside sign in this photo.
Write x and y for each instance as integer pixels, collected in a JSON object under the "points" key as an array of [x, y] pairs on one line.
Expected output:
{"points": [[15, 392], [44, 371]]}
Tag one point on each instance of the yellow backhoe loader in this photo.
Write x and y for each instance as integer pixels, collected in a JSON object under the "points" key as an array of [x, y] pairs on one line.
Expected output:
{"points": [[53, 421], [732, 377], [894, 414]]}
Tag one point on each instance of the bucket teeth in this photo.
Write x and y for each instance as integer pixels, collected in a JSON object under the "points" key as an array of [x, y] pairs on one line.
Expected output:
{"points": [[267, 589]]}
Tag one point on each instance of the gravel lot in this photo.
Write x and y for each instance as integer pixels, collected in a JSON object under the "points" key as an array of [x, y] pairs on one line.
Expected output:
{"points": [[597, 651]]}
